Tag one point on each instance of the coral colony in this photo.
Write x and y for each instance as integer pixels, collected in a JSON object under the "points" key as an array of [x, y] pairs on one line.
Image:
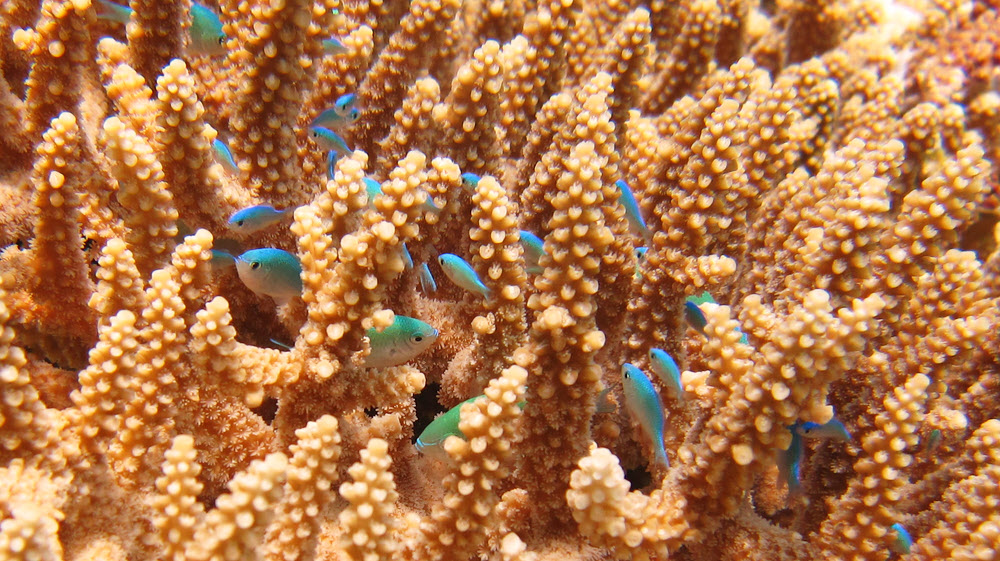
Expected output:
{"points": [[716, 280]]}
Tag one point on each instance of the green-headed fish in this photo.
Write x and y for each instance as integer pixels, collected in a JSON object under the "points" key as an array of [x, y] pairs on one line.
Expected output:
{"points": [[427, 282], [665, 368], [207, 37], [643, 404], [255, 218], [534, 248], [399, 343], [632, 213], [225, 156], [462, 274], [271, 272]]}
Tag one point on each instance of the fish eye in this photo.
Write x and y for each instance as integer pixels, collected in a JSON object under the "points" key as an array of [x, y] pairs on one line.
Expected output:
{"points": [[222, 40], [417, 338], [239, 222], [255, 265]]}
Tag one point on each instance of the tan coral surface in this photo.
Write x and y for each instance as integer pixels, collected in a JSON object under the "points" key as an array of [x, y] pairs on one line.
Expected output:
{"points": [[826, 170]]}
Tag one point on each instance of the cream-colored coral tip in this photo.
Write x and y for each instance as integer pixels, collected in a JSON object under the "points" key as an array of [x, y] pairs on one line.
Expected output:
{"points": [[743, 454], [483, 325], [382, 319]]}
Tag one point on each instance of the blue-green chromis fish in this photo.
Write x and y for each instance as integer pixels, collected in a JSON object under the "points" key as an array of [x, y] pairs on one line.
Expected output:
{"points": [[271, 272], [790, 463], [407, 258], [333, 46], [225, 156], [462, 274], [221, 260], [470, 181], [640, 256], [643, 404], [207, 37], [632, 213], [374, 189], [833, 429], [111, 11], [399, 343], [444, 425], [695, 317], [255, 218], [427, 283], [933, 440], [329, 141], [901, 539], [665, 367], [340, 116], [534, 248]]}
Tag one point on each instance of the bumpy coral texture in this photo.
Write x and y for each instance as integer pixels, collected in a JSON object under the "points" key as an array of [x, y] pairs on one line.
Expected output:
{"points": [[826, 170]]}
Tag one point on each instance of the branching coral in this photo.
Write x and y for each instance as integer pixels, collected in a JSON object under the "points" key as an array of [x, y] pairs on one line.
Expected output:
{"points": [[825, 170]]}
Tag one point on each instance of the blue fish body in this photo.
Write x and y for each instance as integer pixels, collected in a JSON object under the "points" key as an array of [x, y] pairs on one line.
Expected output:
{"points": [[470, 181], [333, 46], [695, 317], [790, 463], [329, 141], [207, 37], [337, 118], [225, 156], [271, 272], [427, 283], [111, 11], [632, 213], [255, 218], [643, 403], [902, 541], [407, 258], [534, 248], [665, 367], [833, 429], [221, 260], [374, 189], [399, 343], [462, 274]]}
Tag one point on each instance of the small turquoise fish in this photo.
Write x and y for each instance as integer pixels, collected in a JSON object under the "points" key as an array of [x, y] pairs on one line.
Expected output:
{"points": [[643, 404], [285, 346], [111, 11], [462, 274], [790, 463], [534, 249], [333, 46], [470, 181], [344, 104], [632, 213], [665, 367], [207, 37], [695, 317], [427, 283], [933, 440], [271, 272], [341, 115], [329, 141], [902, 541], [833, 429], [225, 156], [407, 258], [374, 189], [221, 260], [399, 343], [444, 425], [640, 256], [256, 218]]}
